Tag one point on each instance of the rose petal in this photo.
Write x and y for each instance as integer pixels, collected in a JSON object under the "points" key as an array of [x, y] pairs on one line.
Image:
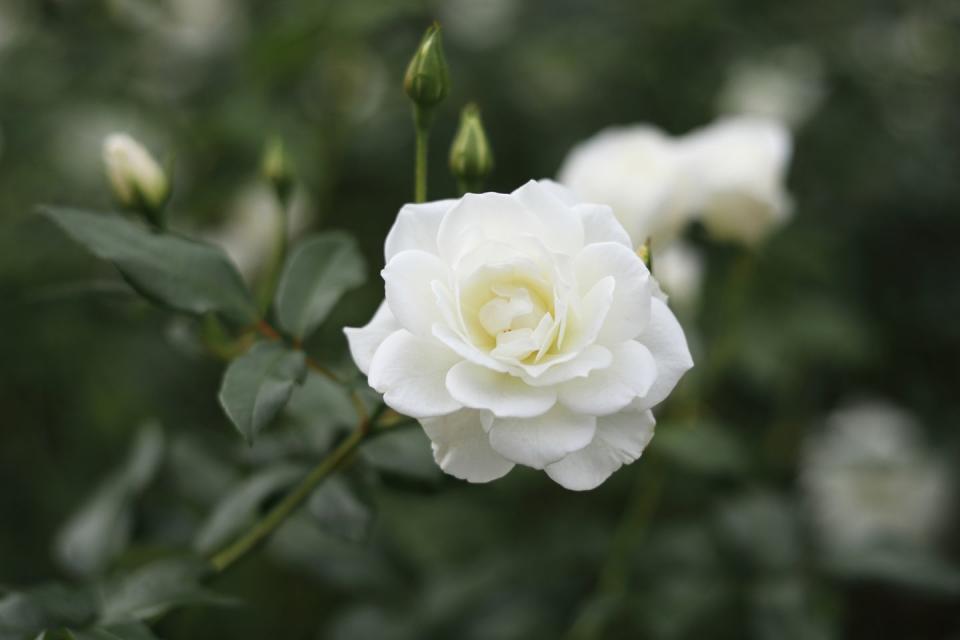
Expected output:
{"points": [[563, 226], [482, 217], [591, 358], [505, 395], [665, 340], [410, 371], [364, 340], [462, 448], [537, 442], [630, 308], [600, 225], [605, 391], [416, 228], [409, 280], [620, 439]]}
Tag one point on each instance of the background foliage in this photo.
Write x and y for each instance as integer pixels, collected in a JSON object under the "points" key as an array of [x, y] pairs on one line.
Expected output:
{"points": [[857, 297]]}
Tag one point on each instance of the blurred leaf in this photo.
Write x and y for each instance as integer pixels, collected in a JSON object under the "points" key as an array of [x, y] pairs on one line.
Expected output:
{"points": [[901, 564], [133, 631], [26, 613], [405, 453], [341, 509], [172, 270], [155, 588], [257, 385], [240, 508], [320, 407], [320, 270], [701, 447], [197, 472], [762, 529], [100, 529]]}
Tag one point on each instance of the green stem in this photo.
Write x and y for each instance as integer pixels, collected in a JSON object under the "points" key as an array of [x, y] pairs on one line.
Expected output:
{"points": [[612, 581], [271, 277], [225, 558], [421, 122]]}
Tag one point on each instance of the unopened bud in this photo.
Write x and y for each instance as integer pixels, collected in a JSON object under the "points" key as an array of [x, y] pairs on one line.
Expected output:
{"points": [[471, 159], [278, 169], [138, 182], [427, 81]]}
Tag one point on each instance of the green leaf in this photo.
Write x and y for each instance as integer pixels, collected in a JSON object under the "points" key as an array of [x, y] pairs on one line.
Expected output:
{"points": [[341, 510], [100, 529], [241, 506], [257, 385], [172, 270], [320, 408], [155, 588], [27, 613], [320, 270]]}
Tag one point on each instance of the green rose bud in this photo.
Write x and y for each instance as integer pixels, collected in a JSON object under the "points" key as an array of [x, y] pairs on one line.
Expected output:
{"points": [[471, 159], [278, 170], [427, 81]]}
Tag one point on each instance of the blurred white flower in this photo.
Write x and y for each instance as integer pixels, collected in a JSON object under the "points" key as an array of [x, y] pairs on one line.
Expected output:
{"points": [[679, 270], [135, 176], [736, 170], [521, 328], [249, 229], [479, 25], [869, 478], [639, 172], [785, 85]]}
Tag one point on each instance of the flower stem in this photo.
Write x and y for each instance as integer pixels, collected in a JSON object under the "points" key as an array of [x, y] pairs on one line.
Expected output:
{"points": [[271, 276], [225, 558], [421, 122], [612, 581]]}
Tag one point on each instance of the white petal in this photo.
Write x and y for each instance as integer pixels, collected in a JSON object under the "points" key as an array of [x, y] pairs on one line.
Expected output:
{"points": [[562, 225], [609, 390], [364, 340], [600, 225], [560, 192], [593, 357], [630, 308], [501, 393], [410, 373], [409, 278], [416, 228], [482, 217], [666, 341], [620, 439], [462, 448], [466, 350], [537, 442]]}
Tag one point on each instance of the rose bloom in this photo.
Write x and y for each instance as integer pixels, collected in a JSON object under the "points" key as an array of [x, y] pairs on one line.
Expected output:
{"points": [[637, 170], [522, 329], [870, 478], [737, 167], [729, 174]]}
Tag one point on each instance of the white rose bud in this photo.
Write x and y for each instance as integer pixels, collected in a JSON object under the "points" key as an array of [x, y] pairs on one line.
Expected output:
{"points": [[638, 171], [138, 182], [523, 329], [736, 169]]}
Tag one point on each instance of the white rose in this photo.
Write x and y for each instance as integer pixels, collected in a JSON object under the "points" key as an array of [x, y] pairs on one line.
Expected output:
{"points": [[135, 176], [521, 329], [735, 170], [636, 170], [869, 478]]}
